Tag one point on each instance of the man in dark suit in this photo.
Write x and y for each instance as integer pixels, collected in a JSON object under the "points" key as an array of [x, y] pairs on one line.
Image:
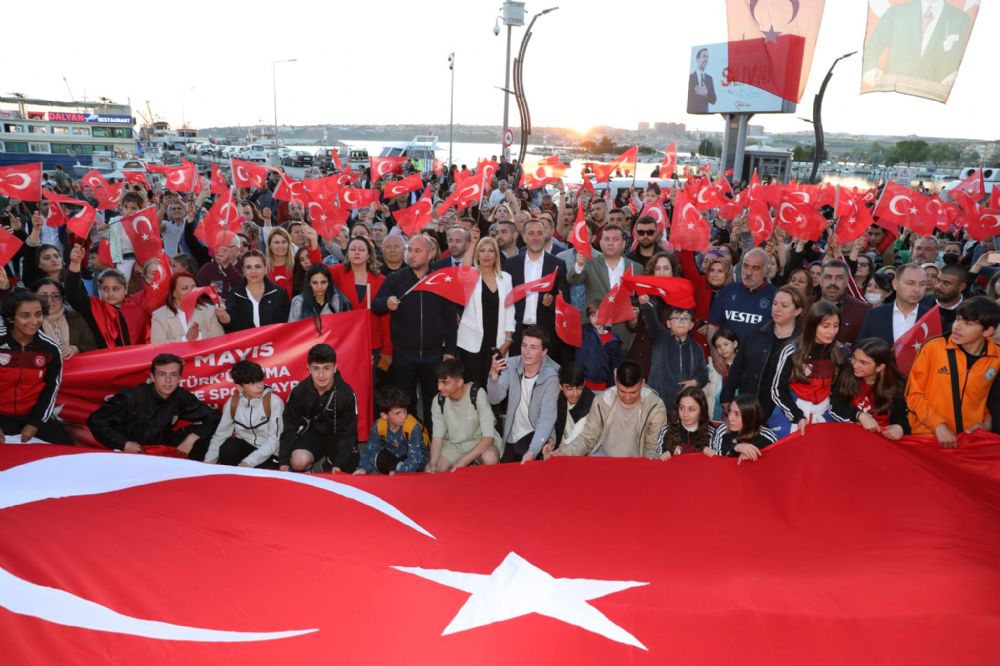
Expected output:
{"points": [[833, 285], [701, 88], [538, 310], [458, 245], [892, 320], [920, 40]]}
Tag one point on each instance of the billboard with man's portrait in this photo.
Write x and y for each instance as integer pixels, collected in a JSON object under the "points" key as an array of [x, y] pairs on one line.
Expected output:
{"points": [[710, 89]]}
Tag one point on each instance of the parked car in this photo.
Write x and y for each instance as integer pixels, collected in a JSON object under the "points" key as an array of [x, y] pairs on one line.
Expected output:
{"points": [[298, 158], [257, 153]]}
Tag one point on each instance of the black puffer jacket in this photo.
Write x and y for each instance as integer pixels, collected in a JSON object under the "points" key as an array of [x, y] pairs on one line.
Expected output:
{"points": [[274, 306], [140, 415]]}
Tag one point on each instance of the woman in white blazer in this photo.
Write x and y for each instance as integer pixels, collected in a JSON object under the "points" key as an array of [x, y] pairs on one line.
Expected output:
{"points": [[486, 324], [170, 324]]}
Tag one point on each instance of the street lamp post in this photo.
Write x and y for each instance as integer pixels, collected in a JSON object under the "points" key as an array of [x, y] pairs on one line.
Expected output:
{"points": [[512, 14], [451, 117], [274, 89]]}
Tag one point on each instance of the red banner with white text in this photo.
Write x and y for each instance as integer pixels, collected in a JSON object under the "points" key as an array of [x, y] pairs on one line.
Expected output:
{"points": [[280, 349]]}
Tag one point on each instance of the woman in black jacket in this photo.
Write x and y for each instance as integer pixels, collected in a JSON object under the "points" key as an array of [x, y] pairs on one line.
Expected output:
{"points": [[256, 302], [742, 434], [756, 359]]}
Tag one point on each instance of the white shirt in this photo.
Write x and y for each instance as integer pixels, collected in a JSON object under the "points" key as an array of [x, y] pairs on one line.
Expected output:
{"points": [[901, 323], [615, 274], [172, 234], [532, 271], [496, 198], [256, 308], [936, 7], [522, 422]]}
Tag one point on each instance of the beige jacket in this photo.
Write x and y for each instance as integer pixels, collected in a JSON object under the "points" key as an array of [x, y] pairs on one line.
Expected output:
{"points": [[654, 422], [167, 325]]}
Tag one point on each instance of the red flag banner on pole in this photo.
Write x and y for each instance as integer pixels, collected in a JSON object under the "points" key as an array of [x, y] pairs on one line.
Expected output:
{"points": [[580, 583], [454, 283], [909, 344], [90, 378], [521, 291], [689, 229], [402, 186], [669, 164], [248, 174], [143, 231], [771, 44], [616, 307], [913, 50], [10, 245], [579, 237]]}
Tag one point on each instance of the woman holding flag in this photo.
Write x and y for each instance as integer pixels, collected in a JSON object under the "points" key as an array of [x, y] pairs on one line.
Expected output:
{"points": [[359, 279], [176, 323], [487, 325]]}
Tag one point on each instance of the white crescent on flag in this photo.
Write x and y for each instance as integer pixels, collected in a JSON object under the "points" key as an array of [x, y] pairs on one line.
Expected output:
{"points": [[785, 206], [83, 474], [899, 197], [141, 218], [25, 181]]}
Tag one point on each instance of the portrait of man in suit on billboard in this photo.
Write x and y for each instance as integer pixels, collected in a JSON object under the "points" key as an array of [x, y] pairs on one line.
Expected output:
{"points": [[701, 87], [916, 47]]}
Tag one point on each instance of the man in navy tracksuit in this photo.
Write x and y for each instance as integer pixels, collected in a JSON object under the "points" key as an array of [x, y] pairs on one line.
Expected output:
{"points": [[423, 326]]}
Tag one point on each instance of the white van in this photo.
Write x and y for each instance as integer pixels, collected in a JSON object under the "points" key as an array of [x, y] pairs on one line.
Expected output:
{"points": [[257, 153]]}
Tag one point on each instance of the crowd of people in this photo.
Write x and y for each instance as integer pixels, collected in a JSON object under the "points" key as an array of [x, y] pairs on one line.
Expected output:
{"points": [[784, 333]]}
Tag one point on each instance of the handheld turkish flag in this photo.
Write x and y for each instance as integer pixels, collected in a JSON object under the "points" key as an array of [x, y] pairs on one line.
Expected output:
{"points": [[569, 326], [437, 167], [521, 291], [759, 221], [110, 197], [689, 229], [190, 300], [733, 207], [136, 178], [403, 186], [466, 193], [83, 220], [181, 178], [678, 292], [289, 189], [104, 253], [624, 162], [335, 158], [800, 220], [143, 230], [995, 198], [322, 190], [327, 218], [713, 194], [771, 44], [248, 174], [579, 237], [95, 180], [974, 186], [10, 245], [538, 175], [383, 166], [616, 307], [656, 211], [909, 344], [416, 217], [904, 207], [852, 225], [586, 185], [157, 292], [454, 283], [218, 185], [221, 218], [982, 223], [22, 181], [669, 162], [354, 197]]}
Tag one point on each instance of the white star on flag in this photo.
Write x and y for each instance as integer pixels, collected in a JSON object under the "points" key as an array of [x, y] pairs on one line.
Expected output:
{"points": [[447, 278], [145, 237], [517, 587], [690, 225]]}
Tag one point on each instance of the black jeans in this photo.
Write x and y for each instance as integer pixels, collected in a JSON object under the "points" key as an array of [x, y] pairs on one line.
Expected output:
{"points": [[514, 451], [407, 372], [51, 431], [234, 450]]}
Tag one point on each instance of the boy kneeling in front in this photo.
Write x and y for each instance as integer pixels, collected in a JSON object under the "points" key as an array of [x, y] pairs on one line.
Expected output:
{"points": [[463, 424]]}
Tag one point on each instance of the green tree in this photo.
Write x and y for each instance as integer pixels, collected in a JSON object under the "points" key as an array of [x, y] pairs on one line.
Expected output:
{"points": [[908, 152], [944, 153], [877, 153], [708, 148], [803, 153], [971, 156]]}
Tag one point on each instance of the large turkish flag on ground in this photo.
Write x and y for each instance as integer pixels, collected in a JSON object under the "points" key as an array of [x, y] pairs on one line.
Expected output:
{"points": [[821, 558]]}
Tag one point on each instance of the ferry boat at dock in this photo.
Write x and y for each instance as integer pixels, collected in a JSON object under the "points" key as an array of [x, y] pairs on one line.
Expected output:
{"points": [[68, 133]]}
